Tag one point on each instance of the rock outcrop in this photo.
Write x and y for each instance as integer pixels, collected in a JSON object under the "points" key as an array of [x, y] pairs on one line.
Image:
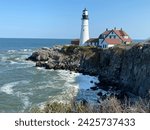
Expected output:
{"points": [[127, 67]]}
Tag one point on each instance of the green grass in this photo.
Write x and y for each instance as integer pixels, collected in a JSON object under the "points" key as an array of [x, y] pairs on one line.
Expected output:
{"points": [[73, 49]]}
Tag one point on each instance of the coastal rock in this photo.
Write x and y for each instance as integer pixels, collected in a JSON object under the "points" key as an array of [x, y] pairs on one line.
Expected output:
{"points": [[41, 55], [128, 68], [94, 88], [135, 69], [124, 68]]}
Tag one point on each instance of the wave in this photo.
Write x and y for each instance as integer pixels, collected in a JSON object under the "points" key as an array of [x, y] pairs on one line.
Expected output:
{"points": [[68, 84], [3, 58], [78, 79], [47, 85], [11, 51], [8, 88], [72, 85], [21, 50], [25, 101], [86, 81], [26, 50], [67, 79], [15, 60]]}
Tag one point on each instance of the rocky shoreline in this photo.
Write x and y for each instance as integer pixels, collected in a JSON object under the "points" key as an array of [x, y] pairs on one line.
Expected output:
{"points": [[123, 69]]}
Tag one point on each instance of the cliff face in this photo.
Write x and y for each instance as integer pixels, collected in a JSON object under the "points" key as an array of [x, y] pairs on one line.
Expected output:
{"points": [[126, 67], [135, 69]]}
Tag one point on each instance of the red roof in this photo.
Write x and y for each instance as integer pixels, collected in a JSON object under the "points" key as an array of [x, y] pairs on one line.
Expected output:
{"points": [[120, 33], [112, 41]]}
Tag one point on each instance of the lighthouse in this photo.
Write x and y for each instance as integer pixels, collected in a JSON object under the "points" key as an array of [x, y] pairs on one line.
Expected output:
{"points": [[84, 28]]}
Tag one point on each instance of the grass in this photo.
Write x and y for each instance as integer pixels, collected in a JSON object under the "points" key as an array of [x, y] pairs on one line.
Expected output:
{"points": [[109, 105], [75, 49]]}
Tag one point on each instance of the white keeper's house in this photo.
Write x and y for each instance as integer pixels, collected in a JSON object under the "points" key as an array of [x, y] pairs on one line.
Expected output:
{"points": [[108, 38]]}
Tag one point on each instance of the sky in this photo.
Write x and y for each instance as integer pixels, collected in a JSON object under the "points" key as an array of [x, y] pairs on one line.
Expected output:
{"points": [[62, 18]]}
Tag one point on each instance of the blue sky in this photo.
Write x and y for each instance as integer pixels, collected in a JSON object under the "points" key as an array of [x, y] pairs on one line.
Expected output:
{"points": [[62, 18]]}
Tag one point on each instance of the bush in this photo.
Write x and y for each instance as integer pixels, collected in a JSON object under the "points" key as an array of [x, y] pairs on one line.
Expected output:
{"points": [[109, 105]]}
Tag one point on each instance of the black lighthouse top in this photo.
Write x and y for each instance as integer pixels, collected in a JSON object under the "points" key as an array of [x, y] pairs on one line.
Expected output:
{"points": [[85, 14]]}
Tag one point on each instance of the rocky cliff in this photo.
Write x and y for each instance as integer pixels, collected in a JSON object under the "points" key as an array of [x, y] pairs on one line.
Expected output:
{"points": [[125, 67]]}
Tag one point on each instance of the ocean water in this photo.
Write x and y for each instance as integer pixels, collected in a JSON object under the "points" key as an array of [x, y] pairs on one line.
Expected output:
{"points": [[22, 85]]}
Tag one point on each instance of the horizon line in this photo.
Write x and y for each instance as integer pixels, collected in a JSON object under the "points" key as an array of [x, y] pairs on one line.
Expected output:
{"points": [[55, 38]]}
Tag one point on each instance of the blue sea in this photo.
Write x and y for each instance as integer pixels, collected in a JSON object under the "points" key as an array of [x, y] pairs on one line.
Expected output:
{"points": [[23, 86]]}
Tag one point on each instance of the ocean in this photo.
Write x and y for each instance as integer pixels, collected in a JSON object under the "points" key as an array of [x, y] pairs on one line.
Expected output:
{"points": [[23, 86]]}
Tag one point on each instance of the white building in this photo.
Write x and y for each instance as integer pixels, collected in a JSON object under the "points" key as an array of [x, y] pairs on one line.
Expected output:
{"points": [[84, 28], [110, 38]]}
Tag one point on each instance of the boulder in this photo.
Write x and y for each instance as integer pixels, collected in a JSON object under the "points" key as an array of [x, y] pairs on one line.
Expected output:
{"points": [[41, 55]]}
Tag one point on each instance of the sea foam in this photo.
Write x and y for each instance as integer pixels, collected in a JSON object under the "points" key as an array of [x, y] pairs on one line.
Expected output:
{"points": [[78, 80], [76, 84], [8, 88]]}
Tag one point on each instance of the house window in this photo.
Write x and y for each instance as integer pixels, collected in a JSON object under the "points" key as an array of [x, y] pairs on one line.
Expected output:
{"points": [[110, 37], [126, 37], [114, 37], [104, 46]]}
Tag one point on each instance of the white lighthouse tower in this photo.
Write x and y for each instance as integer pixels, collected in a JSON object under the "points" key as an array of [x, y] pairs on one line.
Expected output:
{"points": [[84, 28]]}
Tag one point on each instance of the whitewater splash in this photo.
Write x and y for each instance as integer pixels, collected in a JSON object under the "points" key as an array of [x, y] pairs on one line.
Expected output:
{"points": [[76, 85], [23, 85], [8, 88]]}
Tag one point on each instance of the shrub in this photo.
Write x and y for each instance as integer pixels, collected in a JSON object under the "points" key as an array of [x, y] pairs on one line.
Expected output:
{"points": [[109, 105]]}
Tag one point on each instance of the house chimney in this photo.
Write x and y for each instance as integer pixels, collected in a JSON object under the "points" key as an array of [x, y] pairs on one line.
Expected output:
{"points": [[114, 28], [121, 29], [106, 29]]}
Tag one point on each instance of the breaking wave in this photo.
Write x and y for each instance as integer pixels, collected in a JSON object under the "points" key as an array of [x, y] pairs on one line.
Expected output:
{"points": [[33, 86], [9, 87]]}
